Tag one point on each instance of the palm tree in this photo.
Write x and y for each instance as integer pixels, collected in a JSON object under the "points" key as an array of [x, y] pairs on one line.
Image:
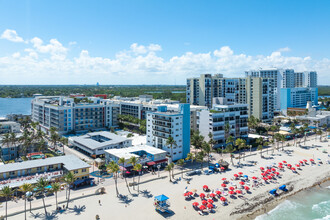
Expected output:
{"points": [[26, 187], [180, 163], [227, 130], [241, 144], [207, 149], [172, 166], [200, 158], [260, 148], [230, 149], [191, 157], [113, 168], [319, 132], [122, 161], [64, 141], [277, 137], [169, 168], [138, 168], [13, 139], [133, 161], [55, 188], [54, 139], [283, 139], [170, 141], [41, 145], [69, 179], [5, 141], [6, 192], [229, 140], [305, 136], [197, 140], [41, 185]]}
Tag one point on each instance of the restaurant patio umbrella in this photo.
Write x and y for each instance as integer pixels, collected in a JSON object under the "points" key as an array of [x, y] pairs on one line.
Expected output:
{"points": [[202, 195], [231, 192], [238, 191], [231, 188], [210, 201], [246, 188], [195, 204], [202, 207], [212, 195], [204, 202], [210, 206], [223, 199], [223, 185], [240, 173], [218, 192], [205, 187], [241, 183]]}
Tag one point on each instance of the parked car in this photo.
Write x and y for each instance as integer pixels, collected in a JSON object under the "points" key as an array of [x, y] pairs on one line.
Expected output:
{"points": [[194, 172], [208, 172]]}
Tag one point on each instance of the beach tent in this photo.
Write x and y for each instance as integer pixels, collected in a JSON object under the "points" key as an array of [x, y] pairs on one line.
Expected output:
{"points": [[283, 188], [273, 191]]}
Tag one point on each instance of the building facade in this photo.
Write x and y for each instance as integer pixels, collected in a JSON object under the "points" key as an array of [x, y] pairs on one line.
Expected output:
{"points": [[214, 121], [298, 97], [163, 124]]}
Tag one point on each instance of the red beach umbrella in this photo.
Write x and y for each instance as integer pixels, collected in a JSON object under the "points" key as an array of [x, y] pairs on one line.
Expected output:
{"points": [[272, 174], [254, 178], [238, 191], [280, 164], [280, 167], [293, 168], [311, 160], [246, 188], [202, 207], [202, 195], [231, 192], [300, 162], [218, 192], [205, 187], [277, 173], [273, 169], [210, 201], [231, 188], [261, 168], [224, 179], [241, 183], [289, 165], [185, 194], [204, 202], [222, 168], [235, 175], [284, 161], [297, 165], [263, 174], [212, 195], [269, 177], [240, 173], [190, 193], [210, 206], [305, 160], [223, 199], [265, 178], [223, 185], [195, 204]]}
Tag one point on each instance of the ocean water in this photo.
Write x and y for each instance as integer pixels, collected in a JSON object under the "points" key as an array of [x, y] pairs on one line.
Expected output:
{"points": [[15, 106], [311, 204]]}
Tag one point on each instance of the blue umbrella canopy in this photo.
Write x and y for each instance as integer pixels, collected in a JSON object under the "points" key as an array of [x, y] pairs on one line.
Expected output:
{"points": [[161, 198], [273, 191]]}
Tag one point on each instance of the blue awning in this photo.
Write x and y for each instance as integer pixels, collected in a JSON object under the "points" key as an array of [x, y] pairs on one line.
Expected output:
{"points": [[283, 187], [273, 191], [78, 182], [161, 198]]}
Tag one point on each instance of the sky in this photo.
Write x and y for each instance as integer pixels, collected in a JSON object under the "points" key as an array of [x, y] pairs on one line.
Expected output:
{"points": [[159, 42]]}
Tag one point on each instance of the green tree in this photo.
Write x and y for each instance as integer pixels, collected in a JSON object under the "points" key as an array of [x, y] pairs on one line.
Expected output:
{"points": [[41, 185], [260, 148], [170, 141], [200, 158], [138, 168], [191, 157], [122, 161], [56, 187], [169, 168], [69, 179], [7, 193], [230, 149], [133, 162], [181, 163], [26, 187], [113, 168], [241, 144], [207, 149]]}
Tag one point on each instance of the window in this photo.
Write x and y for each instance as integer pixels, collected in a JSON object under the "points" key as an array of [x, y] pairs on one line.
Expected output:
{"points": [[76, 171], [83, 170]]}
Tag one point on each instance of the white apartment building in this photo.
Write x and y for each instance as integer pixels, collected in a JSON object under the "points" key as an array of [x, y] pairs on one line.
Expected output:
{"points": [[214, 121], [306, 79], [164, 124]]}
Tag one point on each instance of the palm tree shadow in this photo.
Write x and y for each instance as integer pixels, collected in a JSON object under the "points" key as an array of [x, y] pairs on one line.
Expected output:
{"points": [[77, 209], [36, 215], [125, 199], [49, 216], [145, 193]]}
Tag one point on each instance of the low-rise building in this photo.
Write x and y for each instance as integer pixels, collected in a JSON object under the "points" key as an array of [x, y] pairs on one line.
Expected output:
{"points": [[94, 144], [214, 121], [9, 126], [16, 174], [146, 155]]}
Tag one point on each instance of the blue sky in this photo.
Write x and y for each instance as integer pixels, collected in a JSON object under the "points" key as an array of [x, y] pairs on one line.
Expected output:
{"points": [[111, 39]]}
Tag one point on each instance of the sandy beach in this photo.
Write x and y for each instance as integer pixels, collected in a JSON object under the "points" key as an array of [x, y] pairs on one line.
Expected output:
{"points": [[140, 206]]}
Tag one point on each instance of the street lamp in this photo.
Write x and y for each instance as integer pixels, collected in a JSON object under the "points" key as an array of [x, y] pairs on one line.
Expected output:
{"points": [[250, 149], [158, 166]]}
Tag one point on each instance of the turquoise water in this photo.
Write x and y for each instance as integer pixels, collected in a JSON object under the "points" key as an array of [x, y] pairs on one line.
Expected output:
{"points": [[312, 204], [15, 106]]}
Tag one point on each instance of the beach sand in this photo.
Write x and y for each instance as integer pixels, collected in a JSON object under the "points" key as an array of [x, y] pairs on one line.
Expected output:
{"points": [[254, 204]]}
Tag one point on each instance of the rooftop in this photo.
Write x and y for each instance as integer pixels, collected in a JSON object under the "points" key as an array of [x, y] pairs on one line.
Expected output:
{"points": [[70, 162], [129, 151], [100, 139]]}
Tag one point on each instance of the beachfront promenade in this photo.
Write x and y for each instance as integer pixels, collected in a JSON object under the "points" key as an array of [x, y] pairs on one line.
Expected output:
{"points": [[140, 206]]}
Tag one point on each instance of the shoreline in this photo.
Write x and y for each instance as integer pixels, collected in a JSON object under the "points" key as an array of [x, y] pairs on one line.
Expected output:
{"points": [[274, 202]]}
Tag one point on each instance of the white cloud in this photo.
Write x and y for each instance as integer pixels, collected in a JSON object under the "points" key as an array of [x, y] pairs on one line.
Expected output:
{"points": [[139, 64], [11, 35], [284, 49]]}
